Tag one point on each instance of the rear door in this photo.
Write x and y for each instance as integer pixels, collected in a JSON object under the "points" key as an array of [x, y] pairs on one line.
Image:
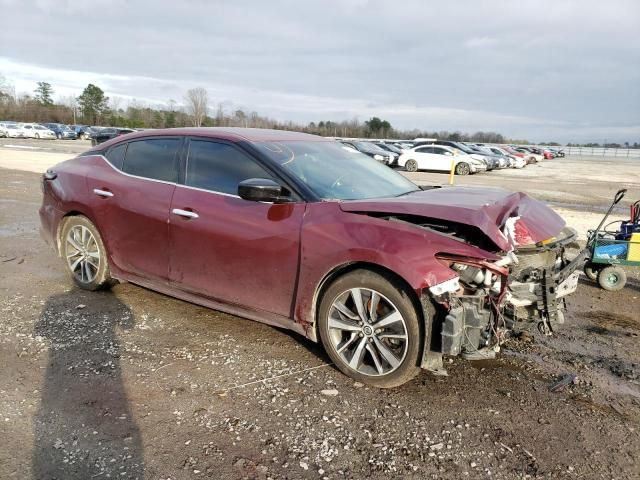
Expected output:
{"points": [[425, 158], [227, 248], [131, 196]]}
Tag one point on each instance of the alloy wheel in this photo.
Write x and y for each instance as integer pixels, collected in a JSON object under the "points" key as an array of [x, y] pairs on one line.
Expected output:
{"points": [[368, 332], [83, 254]]}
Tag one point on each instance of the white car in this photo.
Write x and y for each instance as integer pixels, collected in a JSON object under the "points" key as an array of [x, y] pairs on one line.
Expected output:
{"points": [[33, 130], [13, 130], [516, 162], [439, 158], [530, 156]]}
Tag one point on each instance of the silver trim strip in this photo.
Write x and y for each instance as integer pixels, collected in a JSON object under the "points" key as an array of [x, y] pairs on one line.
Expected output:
{"points": [[185, 213], [162, 181], [102, 193]]}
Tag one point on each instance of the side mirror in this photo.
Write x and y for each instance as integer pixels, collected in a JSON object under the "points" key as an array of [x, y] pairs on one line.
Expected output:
{"points": [[263, 190]]}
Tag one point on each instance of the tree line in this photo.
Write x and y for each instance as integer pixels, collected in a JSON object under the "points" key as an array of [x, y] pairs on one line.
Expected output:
{"points": [[93, 107]]}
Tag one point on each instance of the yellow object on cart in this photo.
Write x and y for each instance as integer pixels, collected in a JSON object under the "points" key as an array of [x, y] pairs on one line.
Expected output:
{"points": [[633, 253]]}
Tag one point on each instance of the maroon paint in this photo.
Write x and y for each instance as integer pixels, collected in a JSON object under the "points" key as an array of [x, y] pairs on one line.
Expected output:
{"points": [[485, 208], [263, 261], [134, 222], [239, 252]]}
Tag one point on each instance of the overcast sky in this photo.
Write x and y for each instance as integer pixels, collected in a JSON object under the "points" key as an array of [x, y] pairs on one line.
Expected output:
{"points": [[540, 69]]}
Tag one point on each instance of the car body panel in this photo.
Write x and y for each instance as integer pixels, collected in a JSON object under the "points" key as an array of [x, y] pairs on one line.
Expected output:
{"points": [[136, 218], [487, 209], [334, 236], [237, 251]]}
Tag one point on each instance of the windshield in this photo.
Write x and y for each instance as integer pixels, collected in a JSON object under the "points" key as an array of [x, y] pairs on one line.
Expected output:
{"points": [[333, 172], [463, 147], [369, 147]]}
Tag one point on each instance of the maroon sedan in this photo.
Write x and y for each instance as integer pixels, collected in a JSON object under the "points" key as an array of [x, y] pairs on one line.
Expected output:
{"points": [[296, 231]]}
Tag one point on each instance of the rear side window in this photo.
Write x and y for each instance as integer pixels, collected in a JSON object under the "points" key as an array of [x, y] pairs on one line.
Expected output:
{"points": [[115, 155], [154, 158], [219, 167]]}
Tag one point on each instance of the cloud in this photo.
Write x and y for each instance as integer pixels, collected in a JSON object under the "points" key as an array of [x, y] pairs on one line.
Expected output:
{"points": [[535, 69], [480, 42]]}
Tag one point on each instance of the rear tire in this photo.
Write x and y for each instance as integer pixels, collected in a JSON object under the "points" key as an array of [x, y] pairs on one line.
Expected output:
{"points": [[612, 278], [370, 328], [84, 254], [411, 166], [463, 168]]}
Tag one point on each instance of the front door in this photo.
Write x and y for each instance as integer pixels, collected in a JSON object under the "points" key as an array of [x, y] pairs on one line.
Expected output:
{"points": [[226, 248]]}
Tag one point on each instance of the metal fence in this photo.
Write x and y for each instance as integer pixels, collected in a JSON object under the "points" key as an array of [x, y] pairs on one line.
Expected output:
{"points": [[602, 152]]}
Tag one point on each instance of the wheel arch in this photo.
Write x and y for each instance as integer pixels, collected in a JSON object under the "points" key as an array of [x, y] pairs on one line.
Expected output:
{"points": [[381, 270], [63, 221]]}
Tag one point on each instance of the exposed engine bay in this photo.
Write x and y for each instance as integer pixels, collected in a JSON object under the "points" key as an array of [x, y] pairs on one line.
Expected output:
{"points": [[527, 286]]}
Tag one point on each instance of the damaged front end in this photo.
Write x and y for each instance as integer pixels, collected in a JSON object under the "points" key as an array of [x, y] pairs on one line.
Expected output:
{"points": [[526, 286], [517, 272]]}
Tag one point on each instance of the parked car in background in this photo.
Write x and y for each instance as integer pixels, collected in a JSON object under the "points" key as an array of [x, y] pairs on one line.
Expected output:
{"points": [[388, 276], [529, 154], [61, 131], [108, 133], [373, 151], [3, 128], [493, 161], [557, 152], [389, 147], [503, 160], [403, 146], [13, 130], [439, 158], [84, 132], [35, 130], [488, 160], [515, 161]]}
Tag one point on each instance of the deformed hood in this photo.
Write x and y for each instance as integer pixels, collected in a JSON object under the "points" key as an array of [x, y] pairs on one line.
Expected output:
{"points": [[485, 208]]}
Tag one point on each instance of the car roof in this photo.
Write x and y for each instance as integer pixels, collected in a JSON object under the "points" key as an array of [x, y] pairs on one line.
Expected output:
{"points": [[232, 134]]}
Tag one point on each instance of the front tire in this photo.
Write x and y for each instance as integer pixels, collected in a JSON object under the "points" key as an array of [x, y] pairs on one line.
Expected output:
{"points": [[84, 254], [463, 168], [370, 328]]}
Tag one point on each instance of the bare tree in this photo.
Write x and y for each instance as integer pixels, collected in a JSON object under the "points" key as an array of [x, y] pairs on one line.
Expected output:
{"points": [[197, 100]]}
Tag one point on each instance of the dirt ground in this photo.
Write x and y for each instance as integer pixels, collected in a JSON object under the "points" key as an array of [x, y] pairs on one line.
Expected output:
{"points": [[133, 384]]}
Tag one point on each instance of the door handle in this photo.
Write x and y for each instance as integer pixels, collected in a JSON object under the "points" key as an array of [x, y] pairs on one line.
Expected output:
{"points": [[184, 213], [102, 193]]}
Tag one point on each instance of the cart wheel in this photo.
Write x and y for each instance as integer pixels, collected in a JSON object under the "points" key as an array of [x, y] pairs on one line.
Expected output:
{"points": [[591, 271], [612, 278]]}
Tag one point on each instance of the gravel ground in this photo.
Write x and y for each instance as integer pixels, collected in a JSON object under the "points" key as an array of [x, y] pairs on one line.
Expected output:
{"points": [[133, 384]]}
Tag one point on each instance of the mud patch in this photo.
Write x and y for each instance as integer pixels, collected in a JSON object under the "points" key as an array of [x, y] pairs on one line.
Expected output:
{"points": [[606, 321]]}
